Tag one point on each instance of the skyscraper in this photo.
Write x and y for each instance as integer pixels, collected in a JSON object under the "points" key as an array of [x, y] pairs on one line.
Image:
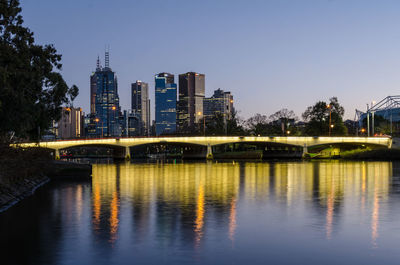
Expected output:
{"points": [[105, 110], [190, 105], [165, 101], [220, 103], [71, 123], [141, 106], [93, 88]]}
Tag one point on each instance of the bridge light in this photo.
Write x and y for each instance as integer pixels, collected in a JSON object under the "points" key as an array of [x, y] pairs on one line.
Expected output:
{"points": [[287, 132]]}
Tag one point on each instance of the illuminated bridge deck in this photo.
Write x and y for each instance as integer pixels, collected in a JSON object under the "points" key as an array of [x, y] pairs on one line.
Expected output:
{"points": [[210, 141]]}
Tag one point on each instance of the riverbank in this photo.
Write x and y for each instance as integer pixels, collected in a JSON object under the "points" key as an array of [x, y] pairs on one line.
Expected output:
{"points": [[377, 154], [357, 154], [12, 193], [22, 171]]}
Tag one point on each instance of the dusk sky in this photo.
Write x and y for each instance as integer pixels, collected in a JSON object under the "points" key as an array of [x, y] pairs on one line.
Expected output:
{"points": [[269, 54]]}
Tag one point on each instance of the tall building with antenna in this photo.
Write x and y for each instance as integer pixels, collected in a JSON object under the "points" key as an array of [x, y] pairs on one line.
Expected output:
{"points": [[104, 101]]}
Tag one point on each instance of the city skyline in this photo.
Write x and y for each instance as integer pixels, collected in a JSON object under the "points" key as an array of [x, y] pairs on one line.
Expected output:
{"points": [[311, 51]]}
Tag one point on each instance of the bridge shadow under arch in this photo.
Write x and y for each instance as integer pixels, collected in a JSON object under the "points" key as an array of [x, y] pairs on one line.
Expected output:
{"points": [[93, 151], [256, 150], [168, 150]]}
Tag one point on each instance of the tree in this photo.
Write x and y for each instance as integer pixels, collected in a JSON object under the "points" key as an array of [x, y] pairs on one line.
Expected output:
{"points": [[32, 90], [283, 121], [258, 125], [319, 115], [279, 123], [283, 114], [216, 125], [232, 126]]}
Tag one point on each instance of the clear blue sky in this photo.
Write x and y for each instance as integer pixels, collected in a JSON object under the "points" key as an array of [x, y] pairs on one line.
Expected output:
{"points": [[270, 54]]}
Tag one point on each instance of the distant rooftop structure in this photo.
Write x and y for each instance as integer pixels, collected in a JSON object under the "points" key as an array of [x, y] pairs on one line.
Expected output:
{"points": [[388, 108], [389, 102]]}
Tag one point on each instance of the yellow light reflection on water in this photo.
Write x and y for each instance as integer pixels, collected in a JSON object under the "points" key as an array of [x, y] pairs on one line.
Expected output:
{"points": [[96, 205], [199, 222], [375, 220], [114, 221], [195, 190], [232, 220]]}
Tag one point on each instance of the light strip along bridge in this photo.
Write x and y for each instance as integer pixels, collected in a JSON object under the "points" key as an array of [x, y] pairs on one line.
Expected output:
{"points": [[209, 142]]}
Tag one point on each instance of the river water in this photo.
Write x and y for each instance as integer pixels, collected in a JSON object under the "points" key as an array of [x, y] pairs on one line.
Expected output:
{"points": [[331, 212]]}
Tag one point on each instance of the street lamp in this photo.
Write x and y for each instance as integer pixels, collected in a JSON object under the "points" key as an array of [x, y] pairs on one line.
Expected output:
{"points": [[329, 106], [97, 121], [204, 123]]}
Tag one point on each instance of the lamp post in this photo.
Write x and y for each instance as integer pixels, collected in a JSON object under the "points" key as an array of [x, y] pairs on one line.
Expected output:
{"points": [[373, 123], [204, 123], [373, 117], [97, 121], [391, 123], [113, 108], [329, 106]]}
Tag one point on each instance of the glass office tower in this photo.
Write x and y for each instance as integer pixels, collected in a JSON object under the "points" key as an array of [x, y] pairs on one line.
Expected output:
{"points": [[165, 101], [221, 103]]}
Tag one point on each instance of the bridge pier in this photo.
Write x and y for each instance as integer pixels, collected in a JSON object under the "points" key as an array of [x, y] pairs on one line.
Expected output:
{"points": [[305, 150], [57, 154], [209, 152], [127, 153]]}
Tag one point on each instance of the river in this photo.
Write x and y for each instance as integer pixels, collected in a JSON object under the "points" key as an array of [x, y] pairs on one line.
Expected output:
{"points": [[324, 212]]}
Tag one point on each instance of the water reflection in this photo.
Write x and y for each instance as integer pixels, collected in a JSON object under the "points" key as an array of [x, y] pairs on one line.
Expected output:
{"points": [[232, 220], [152, 208], [200, 214], [185, 196]]}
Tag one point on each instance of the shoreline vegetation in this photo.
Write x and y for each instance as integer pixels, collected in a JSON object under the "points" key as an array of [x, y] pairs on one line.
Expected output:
{"points": [[380, 154], [22, 171], [376, 154]]}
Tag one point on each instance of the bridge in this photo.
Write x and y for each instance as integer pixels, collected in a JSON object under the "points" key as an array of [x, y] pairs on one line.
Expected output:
{"points": [[209, 142]]}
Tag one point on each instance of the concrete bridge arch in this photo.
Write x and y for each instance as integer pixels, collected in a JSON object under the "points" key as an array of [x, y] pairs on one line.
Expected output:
{"points": [[210, 141]]}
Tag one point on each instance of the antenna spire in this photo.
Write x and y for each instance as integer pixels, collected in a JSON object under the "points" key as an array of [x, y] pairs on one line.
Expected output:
{"points": [[98, 66], [107, 57]]}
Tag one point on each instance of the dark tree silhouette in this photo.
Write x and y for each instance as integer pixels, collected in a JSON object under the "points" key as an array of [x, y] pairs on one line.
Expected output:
{"points": [[32, 90], [318, 116]]}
